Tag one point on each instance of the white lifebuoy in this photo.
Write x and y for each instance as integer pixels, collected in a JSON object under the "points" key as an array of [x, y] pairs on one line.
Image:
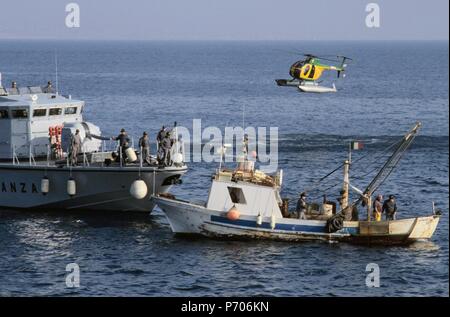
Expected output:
{"points": [[45, 185], [138, 189], [71, 187]]}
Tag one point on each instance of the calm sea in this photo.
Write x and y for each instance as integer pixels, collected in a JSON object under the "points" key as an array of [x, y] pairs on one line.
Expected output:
{"points": [[142, 85]]}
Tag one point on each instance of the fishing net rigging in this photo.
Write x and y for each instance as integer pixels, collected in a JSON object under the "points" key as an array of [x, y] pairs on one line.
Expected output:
{"points": [[384, 172]]}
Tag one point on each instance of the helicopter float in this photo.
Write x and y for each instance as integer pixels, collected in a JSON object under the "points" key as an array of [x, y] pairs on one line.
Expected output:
{"points": [[306, 73]]}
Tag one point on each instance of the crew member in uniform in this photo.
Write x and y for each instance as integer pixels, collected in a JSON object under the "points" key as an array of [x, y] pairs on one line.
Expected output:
{"points": [[75, 146], [166, 146], [144, 143], [123, 144], [48, 89], [161, 135]]}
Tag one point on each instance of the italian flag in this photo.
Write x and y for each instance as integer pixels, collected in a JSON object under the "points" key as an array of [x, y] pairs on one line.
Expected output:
{"points": [[357, 145]]}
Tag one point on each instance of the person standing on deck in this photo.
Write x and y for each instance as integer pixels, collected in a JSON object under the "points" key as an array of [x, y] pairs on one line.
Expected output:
{"points": [[166, 146], [377, 208], [161, 135], [390, 208], [123, 144], [49, 88], [301, 206], [75, 147], [144, 143]]}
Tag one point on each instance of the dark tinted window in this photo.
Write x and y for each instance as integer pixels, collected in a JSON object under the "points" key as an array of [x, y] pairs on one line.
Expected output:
{"points": [[55, 111], [70, 110], [4, 114], [19, 113], [237, 195], [39, 112]]}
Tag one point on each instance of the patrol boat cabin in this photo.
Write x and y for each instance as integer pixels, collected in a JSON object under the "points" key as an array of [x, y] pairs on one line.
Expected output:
{"points": [[26, 116], [36, 171]]}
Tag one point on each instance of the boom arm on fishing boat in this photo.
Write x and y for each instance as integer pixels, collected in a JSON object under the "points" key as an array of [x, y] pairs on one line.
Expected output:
{"points": [[390, 164]]}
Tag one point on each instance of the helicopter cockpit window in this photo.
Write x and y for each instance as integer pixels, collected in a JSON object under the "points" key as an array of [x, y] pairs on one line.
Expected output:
{"points": [[313, 70], [307, 68]]}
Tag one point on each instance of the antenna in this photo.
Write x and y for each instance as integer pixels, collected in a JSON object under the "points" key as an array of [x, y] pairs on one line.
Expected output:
{"points": [[56, 72], [243, 128]]}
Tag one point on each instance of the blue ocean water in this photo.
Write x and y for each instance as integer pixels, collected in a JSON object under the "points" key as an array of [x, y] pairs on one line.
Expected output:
{"points": [[142, 85]]}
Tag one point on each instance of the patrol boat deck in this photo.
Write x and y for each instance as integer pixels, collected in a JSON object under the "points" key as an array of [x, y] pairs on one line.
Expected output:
{"points": [[36, 126]]}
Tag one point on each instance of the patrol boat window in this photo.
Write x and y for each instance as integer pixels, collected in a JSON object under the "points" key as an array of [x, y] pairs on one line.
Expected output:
{"points": [[70, 110], [55, 111], [4, 114], [19, 113], [237, 195], [39, 112]]}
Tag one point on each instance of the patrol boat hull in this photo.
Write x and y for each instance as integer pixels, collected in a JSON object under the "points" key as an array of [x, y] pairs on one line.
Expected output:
{"points": [[187, 218], [97, 188]]}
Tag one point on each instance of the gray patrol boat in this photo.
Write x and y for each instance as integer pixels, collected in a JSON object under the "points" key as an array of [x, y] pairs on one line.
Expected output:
{"points": [[36, 127]]}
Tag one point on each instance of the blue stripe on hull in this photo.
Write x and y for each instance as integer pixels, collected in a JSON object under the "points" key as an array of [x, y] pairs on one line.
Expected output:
{"points": [[278, 226]]}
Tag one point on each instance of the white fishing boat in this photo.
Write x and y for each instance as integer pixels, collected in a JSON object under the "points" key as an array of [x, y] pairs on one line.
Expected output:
{"points": [[245, 203]]}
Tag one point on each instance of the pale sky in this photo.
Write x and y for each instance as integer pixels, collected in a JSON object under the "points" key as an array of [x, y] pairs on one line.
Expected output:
{"points": [[225, 20]]}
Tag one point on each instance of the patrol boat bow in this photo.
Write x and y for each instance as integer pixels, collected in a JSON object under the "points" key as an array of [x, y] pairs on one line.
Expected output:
{"points": [[36, 125], [246, 204]]}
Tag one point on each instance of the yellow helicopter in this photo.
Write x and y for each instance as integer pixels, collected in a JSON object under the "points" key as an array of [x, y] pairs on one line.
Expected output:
{"points": [[305, 73]]}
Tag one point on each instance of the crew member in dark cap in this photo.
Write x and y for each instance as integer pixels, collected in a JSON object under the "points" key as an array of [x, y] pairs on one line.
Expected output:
{"points": [[166, 145], [123, 144], [390, 208], [48, 89], [301, 206], [144, 143], [161, 135]]}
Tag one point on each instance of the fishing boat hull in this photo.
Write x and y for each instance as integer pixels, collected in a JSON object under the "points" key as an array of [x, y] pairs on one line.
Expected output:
{"points": [[187, 218], [97, 188]]}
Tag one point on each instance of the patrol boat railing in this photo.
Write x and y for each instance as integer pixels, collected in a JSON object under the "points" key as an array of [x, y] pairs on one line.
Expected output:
{"points": [[107, 146]]}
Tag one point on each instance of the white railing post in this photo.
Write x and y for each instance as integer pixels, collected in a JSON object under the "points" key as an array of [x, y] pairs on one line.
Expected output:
{"points": [[120, 155], [48, 154]]}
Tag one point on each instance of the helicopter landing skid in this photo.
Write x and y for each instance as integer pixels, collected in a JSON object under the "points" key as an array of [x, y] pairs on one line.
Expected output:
{"points": [[304, 86]]}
